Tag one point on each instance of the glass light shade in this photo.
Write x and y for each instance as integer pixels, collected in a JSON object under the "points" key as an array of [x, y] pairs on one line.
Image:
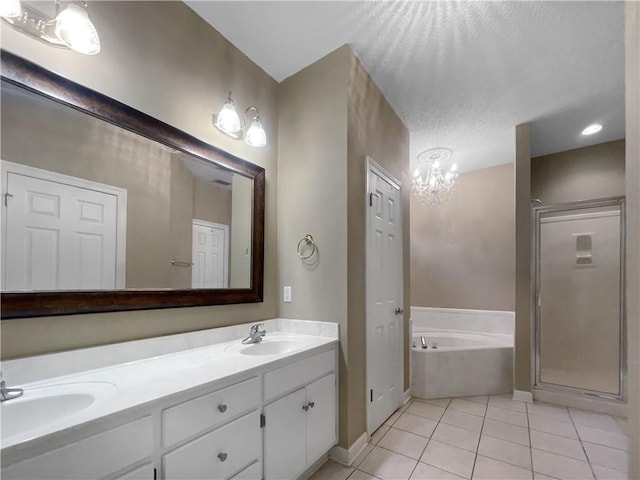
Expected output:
{"points": [[256, 136], [10, 8], [76, 31], [228, 120], [591, 129]]}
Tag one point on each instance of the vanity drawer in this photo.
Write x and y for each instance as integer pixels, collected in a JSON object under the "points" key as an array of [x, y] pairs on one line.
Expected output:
{"points": [[218, 454], [193, 416], [297, 374], [93, 457]]}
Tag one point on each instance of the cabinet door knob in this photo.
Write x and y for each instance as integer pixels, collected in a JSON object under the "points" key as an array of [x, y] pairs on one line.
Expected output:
{"points": [[222, 456], [312, 404], [222, 407], [305, 407]]}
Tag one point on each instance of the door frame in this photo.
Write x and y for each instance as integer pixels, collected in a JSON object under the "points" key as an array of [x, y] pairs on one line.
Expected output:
{"points": [[221, 226], [372, 166], [536, 218], [47, 175]]}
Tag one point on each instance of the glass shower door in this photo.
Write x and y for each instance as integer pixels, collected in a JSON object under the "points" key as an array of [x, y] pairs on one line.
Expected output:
{"points": [[579, 297]]}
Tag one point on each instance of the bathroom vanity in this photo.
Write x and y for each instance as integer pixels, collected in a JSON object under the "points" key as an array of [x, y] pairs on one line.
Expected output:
{"points": [[196, 405]]}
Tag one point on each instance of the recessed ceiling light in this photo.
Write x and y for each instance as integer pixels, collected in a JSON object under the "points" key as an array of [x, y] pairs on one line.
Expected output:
{"points": [[591, 129]]}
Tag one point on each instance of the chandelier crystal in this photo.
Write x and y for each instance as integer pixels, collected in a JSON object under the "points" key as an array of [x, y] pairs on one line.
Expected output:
{"points": [[434, 178]]}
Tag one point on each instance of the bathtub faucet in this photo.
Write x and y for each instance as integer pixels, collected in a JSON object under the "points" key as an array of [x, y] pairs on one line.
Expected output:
{"points": [[423, 341], [8, 393], [255, 335]]}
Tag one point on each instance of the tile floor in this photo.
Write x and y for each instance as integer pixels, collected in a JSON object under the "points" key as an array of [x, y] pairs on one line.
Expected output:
{"points": [[489, 437]]}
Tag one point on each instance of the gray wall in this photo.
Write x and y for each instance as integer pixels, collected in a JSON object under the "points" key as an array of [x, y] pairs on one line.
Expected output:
{"points": [[162, 59], [463, 251], [581, 174]]}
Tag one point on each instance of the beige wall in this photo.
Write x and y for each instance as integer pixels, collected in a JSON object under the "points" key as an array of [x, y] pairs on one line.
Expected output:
{"points": [[312, 198], [212, 203], [522, 341], [331, 115], [463, 251], [632, 94], [162, 59], [581, 174], [374, 129]]}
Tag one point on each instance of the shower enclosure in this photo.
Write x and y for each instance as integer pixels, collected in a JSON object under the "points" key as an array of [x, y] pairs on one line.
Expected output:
{"points": [[578, 302]]}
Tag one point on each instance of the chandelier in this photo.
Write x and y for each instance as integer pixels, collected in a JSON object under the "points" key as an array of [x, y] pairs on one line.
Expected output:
{"points": [[435, 176]]}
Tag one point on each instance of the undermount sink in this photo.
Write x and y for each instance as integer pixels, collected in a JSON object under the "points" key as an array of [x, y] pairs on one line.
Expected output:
{"points": [[268, 346], [40, 406]]}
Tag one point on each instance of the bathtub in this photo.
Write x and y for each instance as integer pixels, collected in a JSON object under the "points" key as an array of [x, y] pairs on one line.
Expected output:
{"points": [[462, 364]]}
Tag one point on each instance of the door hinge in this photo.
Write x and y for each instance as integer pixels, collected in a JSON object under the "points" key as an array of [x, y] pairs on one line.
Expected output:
{"points": [[371, 195], [155, 474], [263, 420], [7, 196], [371, 395]]}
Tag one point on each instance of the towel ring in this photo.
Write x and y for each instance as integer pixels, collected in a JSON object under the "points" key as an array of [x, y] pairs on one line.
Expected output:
{"points": [[307, 240]]}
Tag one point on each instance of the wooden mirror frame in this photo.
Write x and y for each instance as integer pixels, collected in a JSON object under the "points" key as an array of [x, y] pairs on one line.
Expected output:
{"points": [[35, 78]]}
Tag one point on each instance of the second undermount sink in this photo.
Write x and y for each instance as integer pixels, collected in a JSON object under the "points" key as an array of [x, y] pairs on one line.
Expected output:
{"points": [[270, 345], [40, 406]]}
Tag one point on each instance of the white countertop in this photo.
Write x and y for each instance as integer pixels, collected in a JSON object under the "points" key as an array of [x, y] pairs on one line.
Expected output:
{"points": [[146, 381]]}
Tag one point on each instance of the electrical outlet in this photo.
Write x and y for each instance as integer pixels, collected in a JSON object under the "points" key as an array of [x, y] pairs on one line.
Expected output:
{"points": [[287, 294]]}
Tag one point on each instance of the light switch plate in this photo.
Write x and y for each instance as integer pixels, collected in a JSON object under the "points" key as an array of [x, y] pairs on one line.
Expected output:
{"points": [[287, 294]]}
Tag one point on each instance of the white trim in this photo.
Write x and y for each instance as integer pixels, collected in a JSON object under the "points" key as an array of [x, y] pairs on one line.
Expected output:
{"points": [[465, 311], [581, 216], [121, 208], [347, 456], [406, 396], [522, 396], [372, 166]]}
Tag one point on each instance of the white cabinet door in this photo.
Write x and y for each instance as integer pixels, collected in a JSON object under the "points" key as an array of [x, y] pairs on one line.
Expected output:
{"points": [[285, 437], [321, 417]]}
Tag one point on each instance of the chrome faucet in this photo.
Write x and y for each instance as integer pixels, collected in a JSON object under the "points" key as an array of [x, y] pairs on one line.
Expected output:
{"points": [[255, 335], [8, 393]]}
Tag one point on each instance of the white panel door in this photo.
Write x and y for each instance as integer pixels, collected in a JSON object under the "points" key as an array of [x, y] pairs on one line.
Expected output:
{"points": [[384, 301], [210, 255], [59, 236]]}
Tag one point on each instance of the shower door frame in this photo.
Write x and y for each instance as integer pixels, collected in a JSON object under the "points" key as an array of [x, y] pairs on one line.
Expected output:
{"points": [[536, 217]]}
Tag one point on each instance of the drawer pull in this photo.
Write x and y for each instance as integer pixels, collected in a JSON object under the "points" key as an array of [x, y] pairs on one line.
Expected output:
{"points": [[222, 408], [305, 407], [222, 456], [312, 404]]}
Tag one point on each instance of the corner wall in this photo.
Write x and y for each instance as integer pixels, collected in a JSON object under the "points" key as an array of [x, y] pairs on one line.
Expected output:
{"points": [[463, 251], [162, 59], [331, 116], [632, 125], [522, 340]]}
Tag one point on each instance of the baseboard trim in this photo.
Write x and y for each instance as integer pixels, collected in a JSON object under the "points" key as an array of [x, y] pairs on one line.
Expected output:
{"points": [[406, 396], [522, 396], [347, 456]]}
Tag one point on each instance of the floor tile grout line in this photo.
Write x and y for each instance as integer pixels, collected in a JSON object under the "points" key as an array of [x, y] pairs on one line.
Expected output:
{"points": [[530, 442], [475, 458], [573, 422]]}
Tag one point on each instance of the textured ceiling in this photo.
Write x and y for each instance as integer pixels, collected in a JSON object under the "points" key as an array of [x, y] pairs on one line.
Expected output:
{"points": [[459, 74]]}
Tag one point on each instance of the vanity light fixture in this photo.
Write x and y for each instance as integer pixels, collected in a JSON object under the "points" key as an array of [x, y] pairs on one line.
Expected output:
{"points": [[591, 129], [70, 28], [10, 8], [228, 122]]}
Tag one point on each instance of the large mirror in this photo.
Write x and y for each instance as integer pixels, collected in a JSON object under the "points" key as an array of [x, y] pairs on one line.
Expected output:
{"points": [[105, 208]]}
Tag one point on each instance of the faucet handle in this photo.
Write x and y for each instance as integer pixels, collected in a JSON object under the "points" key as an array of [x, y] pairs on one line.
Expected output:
{"points": [[256, 328]]}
